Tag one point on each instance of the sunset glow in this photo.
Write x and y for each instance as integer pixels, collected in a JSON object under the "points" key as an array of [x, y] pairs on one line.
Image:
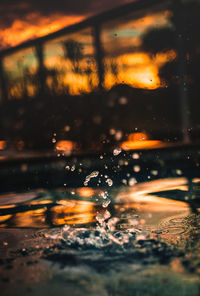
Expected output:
{"points": [[139, 69], [35, 25], [125, 59]]}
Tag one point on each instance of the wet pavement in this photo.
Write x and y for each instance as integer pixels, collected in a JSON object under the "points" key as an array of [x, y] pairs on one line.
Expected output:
{"points": [[144, 241]]}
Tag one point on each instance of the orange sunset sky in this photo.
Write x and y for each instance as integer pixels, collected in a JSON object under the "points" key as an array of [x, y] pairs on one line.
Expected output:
{"points": [[23, 20]]}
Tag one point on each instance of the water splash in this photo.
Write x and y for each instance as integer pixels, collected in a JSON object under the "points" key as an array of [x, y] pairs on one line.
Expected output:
{"points": [[94, 174], [106, 203], [109, 182]]}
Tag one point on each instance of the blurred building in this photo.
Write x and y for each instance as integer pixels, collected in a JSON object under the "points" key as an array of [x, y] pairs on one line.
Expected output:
{"points": [[132, 69]]}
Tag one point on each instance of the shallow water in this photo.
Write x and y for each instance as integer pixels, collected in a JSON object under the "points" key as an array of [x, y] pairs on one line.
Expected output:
{"points": [[141, 239]]}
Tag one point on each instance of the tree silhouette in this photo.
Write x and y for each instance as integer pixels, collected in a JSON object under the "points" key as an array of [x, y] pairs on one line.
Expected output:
{"points": [[182, 36], [74, 52]]}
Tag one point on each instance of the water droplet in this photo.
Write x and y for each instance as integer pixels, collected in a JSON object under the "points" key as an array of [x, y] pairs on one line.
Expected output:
{"points": [[73, 168], [100, 218], [65, 228], [123, 100], [140, 237], [112, 131], [118, 135], [154, 172], [67, 128], [124, 181], [135, 156], [179, 172], [112, 223], [117, 151], [53, 140], [104, 194], [109, 182], [94, 174], [107, 215], [136, 168], [132, 181], [133, 221], [106, 203], [24, 167]]}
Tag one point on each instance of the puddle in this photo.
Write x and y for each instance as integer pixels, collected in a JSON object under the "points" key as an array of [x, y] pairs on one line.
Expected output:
{"points": [[128, 240]]}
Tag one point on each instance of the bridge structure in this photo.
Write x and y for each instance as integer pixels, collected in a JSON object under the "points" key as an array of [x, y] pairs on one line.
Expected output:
{"points": [[129, 45]]}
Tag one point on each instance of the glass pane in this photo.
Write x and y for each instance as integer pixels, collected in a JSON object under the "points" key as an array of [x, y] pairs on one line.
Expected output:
{"points": [[127, 58], [70, 63], [190, 23], [139, 53], [21, 73]]}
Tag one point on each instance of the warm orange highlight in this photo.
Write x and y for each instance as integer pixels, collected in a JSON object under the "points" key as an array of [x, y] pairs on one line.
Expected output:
{"points": [[65, 146], [2, 145], [138, 196], [85, 192], [138, 137], [140, 69], [35, 25], [4, 218], [129, 145], [73, 212], [141, 141]]}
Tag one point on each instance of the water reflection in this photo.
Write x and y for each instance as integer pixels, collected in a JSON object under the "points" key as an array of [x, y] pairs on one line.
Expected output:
{"points": [[139, 206]]}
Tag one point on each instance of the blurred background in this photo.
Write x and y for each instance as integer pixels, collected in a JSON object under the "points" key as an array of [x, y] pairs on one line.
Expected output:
{"points": [[127, 77]]}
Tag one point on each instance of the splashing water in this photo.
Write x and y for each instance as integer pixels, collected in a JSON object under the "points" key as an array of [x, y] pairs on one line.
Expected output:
{"points": [[109, 182], [94, 174], [106, 203], [104, 194]]}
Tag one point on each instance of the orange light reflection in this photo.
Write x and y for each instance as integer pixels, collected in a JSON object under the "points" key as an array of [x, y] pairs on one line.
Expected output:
{"points": [[65, 145], [141, 141], [85, 192], [73, 212], [2, 145], [139, 197]]}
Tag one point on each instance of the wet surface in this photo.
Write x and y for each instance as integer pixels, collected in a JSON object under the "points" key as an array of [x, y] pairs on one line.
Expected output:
{"points": [[129, 240]]}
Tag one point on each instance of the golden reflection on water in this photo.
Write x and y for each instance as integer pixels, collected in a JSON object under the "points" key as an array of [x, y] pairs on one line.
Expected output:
{"points": [[141, 199], [73, 212]]}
